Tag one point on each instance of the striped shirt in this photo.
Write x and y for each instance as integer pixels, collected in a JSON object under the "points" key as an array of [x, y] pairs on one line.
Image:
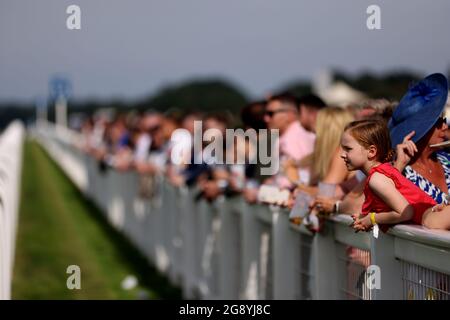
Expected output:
{"points": [[433, 191]]}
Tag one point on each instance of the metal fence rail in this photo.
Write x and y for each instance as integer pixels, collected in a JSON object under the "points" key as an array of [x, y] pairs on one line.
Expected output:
{"points": [[10, 173], [231, 250]]}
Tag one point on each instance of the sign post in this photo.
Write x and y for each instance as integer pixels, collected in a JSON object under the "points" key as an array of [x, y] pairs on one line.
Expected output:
{"points": [[41, 111], [60, 88]]}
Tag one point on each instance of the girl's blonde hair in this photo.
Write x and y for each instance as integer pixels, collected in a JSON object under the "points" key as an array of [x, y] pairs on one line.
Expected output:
{"points": [[373, 132], [330, 124]]}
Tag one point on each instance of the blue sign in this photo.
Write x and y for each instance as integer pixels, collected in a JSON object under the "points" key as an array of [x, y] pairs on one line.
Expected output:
{"points": [[60, 87]]}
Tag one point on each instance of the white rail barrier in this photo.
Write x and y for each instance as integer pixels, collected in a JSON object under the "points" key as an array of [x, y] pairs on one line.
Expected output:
{"points": [[11, 141], [231, 250]]}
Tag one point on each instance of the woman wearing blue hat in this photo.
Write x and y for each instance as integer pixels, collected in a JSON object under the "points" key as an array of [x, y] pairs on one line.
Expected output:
{"points": [[418, 124]]}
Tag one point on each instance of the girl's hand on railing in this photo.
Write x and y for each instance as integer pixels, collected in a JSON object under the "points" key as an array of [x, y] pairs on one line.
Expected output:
{"points": [[366, 223], [361, 223]]}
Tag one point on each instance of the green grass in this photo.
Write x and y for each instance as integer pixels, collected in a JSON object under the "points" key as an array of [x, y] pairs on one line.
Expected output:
{"points": [[58, 228]]}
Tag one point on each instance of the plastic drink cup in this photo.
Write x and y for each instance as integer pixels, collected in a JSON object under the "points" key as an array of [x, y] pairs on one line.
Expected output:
{"points": [[301, 208], [327, 189]]}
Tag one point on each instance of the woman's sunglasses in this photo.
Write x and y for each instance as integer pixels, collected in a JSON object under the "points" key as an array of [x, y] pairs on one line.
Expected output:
{"points": [[440, 121]]}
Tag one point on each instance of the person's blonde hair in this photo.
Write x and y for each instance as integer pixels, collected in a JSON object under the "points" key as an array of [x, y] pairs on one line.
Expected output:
{"points": [[330, 125]]}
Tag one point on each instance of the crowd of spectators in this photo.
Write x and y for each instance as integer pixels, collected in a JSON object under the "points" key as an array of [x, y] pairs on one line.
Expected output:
{"points": [[312, 164]]}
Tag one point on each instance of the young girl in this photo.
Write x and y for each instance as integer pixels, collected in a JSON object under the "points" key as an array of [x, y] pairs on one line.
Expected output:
{"points": [[390, 198]]}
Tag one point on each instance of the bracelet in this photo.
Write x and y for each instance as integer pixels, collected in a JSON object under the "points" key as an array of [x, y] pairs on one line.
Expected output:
{"points": [[336, 206], [372, 218]]}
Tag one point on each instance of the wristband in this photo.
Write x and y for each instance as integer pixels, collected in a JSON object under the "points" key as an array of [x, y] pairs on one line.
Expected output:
{"points": [[336, 206], [372, 218]]}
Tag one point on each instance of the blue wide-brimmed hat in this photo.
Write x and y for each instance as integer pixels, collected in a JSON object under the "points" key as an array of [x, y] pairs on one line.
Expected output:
{"points": [[419, 109]]}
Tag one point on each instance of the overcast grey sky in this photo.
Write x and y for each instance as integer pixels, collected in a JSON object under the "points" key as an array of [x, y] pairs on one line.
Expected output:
{"points": [[129, 49]]}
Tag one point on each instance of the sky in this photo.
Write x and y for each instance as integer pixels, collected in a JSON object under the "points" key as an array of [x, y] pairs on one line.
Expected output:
{"points": [[130, 49]]}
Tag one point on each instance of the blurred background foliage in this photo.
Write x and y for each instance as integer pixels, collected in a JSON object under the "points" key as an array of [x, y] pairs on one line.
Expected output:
{"points": [[217, 94]]}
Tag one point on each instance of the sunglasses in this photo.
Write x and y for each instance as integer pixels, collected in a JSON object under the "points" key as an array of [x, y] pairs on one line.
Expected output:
{"points": [[440, 121], [270, 114]]}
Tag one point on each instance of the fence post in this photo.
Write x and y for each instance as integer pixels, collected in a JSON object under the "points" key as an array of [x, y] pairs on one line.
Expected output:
{"points": [[383, 256], [265, 248], [286, 257], [11, 141], [189, 241], [325, 264], [229, 247], [250, 230]]}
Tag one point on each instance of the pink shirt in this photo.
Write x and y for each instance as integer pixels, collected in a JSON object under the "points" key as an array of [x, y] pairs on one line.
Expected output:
{"points": [[296, 142]]}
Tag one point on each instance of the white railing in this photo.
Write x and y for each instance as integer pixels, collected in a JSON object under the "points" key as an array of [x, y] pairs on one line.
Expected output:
{"points": [[11, 141], [231, 250]]}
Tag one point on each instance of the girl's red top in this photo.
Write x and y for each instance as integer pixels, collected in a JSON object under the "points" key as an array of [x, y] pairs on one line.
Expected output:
{"points": [[412, 193]]}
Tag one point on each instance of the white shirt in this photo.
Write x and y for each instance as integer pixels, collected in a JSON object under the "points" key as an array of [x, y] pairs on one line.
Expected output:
{"points": [[143, 144]]}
